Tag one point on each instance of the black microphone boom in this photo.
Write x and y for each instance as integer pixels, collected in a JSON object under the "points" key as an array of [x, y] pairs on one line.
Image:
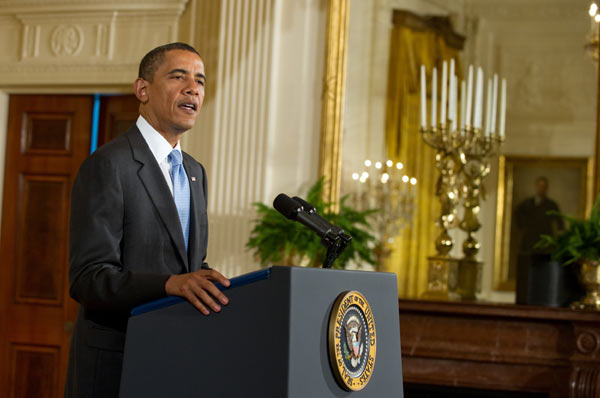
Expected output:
{"points": [[298, 209], [294, 211], [310, 209]]}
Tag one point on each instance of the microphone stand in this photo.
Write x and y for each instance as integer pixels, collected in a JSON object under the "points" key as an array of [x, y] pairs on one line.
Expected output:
{"points": [[335, 243]]}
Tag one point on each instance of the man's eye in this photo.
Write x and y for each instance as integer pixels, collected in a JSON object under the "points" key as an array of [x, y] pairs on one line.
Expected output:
{"points": [[200, 82]]}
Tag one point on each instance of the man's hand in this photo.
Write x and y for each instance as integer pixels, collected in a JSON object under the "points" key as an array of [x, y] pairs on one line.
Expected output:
{"points": [[198, 287]]}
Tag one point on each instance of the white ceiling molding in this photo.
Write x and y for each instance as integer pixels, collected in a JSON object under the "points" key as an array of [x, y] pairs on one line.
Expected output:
{"points": [[53, 42]]}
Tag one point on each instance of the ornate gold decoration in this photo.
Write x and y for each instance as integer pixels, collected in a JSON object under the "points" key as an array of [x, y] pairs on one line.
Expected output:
{"points": [[442, 267], [441, 278], [352, 341], [590, 278], [463, 161], [476, 167], [330, 157]]}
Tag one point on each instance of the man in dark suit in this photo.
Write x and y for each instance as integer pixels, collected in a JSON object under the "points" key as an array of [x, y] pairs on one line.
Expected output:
{"points": [[138, 222], [533, 220]]}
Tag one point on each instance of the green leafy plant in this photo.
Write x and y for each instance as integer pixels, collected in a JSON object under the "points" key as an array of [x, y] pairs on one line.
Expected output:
{"points": [[581, 241], [277, 240]]}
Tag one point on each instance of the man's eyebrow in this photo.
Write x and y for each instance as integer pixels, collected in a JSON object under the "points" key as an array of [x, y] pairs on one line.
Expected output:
{"points": [[185, 72]]}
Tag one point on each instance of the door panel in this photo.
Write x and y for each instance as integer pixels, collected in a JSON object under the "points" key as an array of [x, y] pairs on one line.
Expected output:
{"points": [[41, 242], [117, 114], [48, 136], [32, 372]]}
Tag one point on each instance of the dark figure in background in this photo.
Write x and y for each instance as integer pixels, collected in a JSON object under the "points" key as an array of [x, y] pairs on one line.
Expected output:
{"points": [[541, 281], [533, 220]]}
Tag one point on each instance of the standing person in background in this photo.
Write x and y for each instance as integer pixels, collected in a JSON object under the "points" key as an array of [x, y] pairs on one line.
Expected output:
{"points": [[532, 218]]}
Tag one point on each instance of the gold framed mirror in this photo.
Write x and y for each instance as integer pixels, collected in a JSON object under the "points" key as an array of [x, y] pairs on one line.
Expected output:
{"points": [[332, 118]]}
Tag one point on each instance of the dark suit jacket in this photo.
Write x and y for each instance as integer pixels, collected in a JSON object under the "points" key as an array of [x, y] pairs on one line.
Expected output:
{"points": [[125, 241]]}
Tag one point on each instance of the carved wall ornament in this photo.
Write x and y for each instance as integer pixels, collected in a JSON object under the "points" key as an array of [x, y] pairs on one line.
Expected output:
{"points": [[587, 342], [66, 40]]}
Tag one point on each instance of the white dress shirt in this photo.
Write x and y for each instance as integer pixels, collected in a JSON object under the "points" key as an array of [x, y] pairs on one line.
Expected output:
{"points": [[159, 147]]}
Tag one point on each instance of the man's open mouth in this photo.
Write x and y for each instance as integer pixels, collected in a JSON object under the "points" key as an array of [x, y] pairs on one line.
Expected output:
{"points": [[189, 106]]}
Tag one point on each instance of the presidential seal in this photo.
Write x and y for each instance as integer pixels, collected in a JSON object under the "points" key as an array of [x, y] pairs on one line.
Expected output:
{"points": [[352, 341]]}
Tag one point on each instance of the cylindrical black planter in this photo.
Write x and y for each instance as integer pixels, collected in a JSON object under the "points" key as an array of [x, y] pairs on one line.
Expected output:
{"points": [[541, 281]]}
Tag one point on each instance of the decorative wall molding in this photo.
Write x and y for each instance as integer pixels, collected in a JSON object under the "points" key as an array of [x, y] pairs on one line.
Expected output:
{"points": [[81, 41], [66, 40], [64, 6]]}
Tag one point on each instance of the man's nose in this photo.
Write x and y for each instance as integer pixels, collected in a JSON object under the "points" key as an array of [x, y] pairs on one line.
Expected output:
{"points": [[192, 87]]}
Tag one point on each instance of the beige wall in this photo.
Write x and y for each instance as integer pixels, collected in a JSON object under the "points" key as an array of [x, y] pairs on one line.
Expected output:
{"points": [[258, 133]]}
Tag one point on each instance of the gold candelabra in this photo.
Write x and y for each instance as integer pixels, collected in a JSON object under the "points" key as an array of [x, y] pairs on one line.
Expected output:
{"points": [[462, 159]]}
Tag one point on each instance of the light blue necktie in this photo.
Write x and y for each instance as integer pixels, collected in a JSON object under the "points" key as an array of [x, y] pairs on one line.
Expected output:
{"points": [[181, 193]]}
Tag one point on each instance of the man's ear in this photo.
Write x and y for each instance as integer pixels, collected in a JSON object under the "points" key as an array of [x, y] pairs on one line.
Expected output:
{"points": [[140, 89]]}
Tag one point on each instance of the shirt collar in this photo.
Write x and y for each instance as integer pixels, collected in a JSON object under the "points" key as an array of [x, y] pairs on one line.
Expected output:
{"points": [[159, 146]]}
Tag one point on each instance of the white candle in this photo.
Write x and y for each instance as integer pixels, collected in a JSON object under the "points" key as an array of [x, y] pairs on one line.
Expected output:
{"points": [[502, 108], [450, 105], [469, 96], [488, 109], [463, 106], [450, 76], [494, 104], [434, 98], [453, 94], [444, 87], [423, 99], [478, 99]]}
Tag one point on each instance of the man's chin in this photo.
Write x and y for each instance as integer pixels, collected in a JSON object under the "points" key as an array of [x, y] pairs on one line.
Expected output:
{"points": [[186, 125]]}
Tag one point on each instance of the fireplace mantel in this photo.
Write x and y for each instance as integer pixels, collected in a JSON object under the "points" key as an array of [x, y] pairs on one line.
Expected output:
{"points": [[555, 351]]}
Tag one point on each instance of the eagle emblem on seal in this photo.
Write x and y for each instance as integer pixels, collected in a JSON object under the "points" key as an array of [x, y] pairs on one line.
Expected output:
{"points": [[353, 340]]}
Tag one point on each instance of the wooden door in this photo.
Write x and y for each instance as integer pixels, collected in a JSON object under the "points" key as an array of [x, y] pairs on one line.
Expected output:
{"points": [[48, 137], [117, 113]]}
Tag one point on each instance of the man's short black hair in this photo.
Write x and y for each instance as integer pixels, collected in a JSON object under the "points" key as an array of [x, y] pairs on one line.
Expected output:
{"points": [[154, 58]]}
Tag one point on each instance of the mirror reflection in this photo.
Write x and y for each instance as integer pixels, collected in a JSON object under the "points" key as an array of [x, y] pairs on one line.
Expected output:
{"points": [[540, 48]]}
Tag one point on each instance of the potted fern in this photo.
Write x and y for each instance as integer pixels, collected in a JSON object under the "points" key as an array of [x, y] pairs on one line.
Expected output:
{"points": [[580, 245], [277, 240]]}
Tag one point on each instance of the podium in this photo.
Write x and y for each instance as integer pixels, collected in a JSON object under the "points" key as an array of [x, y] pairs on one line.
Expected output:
{"points": [[272, 340]]}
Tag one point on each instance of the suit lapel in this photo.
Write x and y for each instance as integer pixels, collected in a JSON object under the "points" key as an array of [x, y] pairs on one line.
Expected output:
{"points": [[196, 207], [151, 176]]}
